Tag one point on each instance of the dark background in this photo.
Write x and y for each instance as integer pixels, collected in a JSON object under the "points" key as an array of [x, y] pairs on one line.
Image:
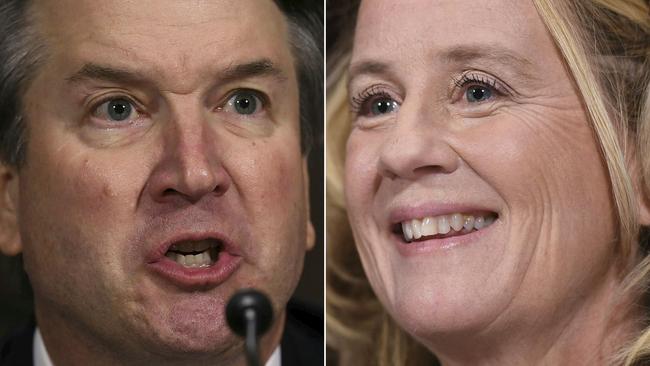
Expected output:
{"points": [[16, 307]]}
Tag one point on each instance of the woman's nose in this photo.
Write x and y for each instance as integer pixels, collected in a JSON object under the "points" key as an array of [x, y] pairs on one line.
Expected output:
{"points": [[417, 144]]}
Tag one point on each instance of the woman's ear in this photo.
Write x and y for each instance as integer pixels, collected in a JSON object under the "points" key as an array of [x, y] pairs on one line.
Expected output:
{"points": [[644, 209], [10, 243]]}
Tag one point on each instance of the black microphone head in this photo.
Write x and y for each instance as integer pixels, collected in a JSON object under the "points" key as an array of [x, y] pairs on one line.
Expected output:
{"points": [[246, 299]]}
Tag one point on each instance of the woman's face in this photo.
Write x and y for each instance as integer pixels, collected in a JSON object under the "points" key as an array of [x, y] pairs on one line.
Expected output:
{"points": [[469, 134]]}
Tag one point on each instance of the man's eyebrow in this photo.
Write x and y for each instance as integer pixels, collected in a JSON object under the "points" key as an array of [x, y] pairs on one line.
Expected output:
{"points": [[106, 73], [258, 68], [236, 71]]}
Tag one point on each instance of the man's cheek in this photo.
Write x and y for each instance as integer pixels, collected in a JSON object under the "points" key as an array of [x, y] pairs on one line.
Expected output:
{"points": [[94, 191]]}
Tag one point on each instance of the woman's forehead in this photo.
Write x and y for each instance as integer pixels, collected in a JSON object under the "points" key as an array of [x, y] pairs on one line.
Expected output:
{"points": [[387, 28]]}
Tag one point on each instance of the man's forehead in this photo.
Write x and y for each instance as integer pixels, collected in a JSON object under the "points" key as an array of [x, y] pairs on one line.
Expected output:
{"points": [[180, 37], [141, 14]]}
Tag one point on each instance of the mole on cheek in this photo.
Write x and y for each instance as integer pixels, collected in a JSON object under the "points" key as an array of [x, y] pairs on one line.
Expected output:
{"points": [[107, 191]]}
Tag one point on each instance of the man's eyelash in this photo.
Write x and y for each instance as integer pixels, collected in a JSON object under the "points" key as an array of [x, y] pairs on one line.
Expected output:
{"points": [[358, 101]]}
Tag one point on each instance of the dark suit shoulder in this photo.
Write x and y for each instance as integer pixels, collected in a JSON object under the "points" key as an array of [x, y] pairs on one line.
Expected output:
{"points": [[16, 348], [302, 342]]}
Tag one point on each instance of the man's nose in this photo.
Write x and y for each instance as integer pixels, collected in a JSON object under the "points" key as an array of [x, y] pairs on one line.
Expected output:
{"points": [[417, 145], [191, 166]]}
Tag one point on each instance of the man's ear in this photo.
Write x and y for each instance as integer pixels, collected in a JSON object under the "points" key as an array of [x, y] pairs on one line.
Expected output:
{"points": [[311, 233], [10, 243]]}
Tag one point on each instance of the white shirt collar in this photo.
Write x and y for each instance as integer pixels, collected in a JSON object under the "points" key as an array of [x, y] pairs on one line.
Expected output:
{"points": [[42, 358], [275, 359]]}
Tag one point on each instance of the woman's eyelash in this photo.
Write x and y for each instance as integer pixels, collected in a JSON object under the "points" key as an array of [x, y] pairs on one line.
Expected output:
{"points": [[358, 101], [475, 78]]}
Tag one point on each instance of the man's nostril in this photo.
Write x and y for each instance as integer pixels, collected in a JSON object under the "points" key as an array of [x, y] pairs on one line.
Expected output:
{"points": [[169, 191]]}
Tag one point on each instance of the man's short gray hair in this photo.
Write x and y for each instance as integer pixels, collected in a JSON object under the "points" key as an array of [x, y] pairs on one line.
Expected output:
{"points": [[20, 53], [306, 38]]}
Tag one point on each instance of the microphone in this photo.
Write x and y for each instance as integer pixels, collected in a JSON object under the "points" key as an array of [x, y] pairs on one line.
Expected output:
{"points": [[249, 314]]}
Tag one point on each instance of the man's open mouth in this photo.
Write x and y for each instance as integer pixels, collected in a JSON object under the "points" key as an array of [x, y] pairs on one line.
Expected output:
{"points": [[195, 253], [196, 261], [443, 226]]}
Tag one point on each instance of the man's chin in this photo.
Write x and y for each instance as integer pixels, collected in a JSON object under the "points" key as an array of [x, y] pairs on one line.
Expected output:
{"points": [[189, 326], [195, 338]]}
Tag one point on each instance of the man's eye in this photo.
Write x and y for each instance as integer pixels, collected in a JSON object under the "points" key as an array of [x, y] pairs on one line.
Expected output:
{"points": [[244, 102], [478, 93], [115, 110]]}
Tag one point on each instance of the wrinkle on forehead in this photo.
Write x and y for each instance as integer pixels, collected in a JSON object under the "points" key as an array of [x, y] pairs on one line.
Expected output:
{"points": [[177, 40], [497, 21], [195, 12]]}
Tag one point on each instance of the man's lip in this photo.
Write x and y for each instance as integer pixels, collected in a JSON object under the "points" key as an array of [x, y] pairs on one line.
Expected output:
{"points": [[197, 279], [202, 278], [398, 214], [227, 246]]}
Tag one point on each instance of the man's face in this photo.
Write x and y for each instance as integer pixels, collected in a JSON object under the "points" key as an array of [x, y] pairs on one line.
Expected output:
{"points": [[158, 130]]}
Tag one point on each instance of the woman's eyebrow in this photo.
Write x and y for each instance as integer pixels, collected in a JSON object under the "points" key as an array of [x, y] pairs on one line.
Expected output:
{"points": [[368, 67], [492, 54]]}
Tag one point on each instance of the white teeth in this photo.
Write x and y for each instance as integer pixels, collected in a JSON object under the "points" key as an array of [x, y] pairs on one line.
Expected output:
{"points": [[469, 223], [443, 225], [479, 223], [206, 254], [417, 229], [181, 259], [189, 260], [428, 226], [456, 221], [407, 229]]}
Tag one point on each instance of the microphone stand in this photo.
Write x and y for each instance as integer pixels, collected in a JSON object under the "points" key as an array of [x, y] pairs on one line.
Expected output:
{"points": [[249, 314], [252, 353]]}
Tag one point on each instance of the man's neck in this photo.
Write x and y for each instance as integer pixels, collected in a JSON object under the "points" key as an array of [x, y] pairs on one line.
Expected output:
{"points": [[65, 346], [42, 357]]}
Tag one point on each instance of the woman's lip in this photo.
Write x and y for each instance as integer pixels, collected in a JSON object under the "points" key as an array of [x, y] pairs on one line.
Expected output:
{"points": [[409, 249], [403, 213], [197, 278]]}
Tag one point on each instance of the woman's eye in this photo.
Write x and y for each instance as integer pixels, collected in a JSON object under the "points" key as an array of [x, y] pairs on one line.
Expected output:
{"points": [[382, 106], [245, 103], [115, 110], [478, 93], [373, 106]]}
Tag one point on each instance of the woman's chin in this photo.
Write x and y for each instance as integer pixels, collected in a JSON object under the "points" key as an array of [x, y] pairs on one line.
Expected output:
{"points": [[432, 314], [454, 290]]}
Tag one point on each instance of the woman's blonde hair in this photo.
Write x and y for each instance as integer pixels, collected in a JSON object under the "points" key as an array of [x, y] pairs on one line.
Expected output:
{"points": [[606, 46]]}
